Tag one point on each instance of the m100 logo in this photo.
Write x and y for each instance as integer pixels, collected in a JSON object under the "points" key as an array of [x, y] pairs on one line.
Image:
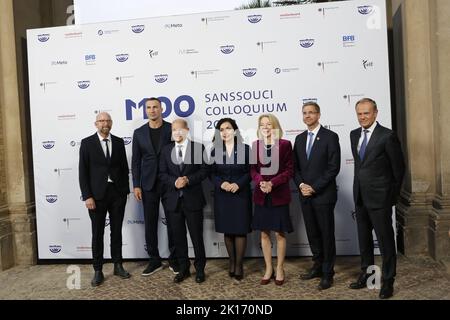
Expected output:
{"points": [[183, 107]]}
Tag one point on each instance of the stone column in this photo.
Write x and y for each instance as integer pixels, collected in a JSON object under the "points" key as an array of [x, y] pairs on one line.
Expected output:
{"points": [[20, 208], [416, 120], [439, 242]]}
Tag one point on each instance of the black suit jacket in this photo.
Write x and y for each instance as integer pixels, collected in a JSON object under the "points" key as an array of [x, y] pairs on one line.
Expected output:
{"points": [[322, 167], [195, 168], [93, 168], [145, 159], [378, 178]]}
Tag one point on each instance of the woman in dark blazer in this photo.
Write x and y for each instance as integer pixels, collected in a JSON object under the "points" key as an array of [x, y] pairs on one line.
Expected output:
{"points": [[232, 193], [271, 171]]}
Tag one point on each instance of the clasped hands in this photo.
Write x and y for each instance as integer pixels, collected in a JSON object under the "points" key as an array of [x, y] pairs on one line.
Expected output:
{"points": [[306, 190], [266, 186], [229, 187], [181, 182]]}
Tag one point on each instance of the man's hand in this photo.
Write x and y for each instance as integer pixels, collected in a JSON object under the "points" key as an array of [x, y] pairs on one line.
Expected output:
{"points": [[138, 194], [90, 204], [225, 186], [181, 182], [306, 190], [234, 188]]}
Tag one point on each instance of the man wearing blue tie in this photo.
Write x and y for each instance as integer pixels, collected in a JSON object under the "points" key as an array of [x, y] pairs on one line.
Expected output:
{"points": [[317, 162], [379, 171]]}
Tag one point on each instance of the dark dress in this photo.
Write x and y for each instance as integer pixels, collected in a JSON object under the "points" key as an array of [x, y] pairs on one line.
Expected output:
{"points": [[232, 211], [268, 217]]}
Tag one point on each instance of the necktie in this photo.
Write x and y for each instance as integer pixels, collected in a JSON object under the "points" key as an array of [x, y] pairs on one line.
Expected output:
{"points": [[362, 150], [108, 155], [310, 143], [180, 157]]}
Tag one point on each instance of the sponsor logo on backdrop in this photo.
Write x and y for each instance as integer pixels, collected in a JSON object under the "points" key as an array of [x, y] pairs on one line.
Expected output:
{"points": [[59, 63], [349, 161], [333, 126], [161, 78], [73, 35], [102, 32], [127, 140], [365, 10], [353, 98], [324, 64], [349, 41], [200, 73], [84, 84], [249, 103], [263, 44], [122, 57], [152, 53], [43, 37], [305, 100], [138, 28], [183, 107], [45, 85], [307, 43], [207, 20], [48, 144], [227, 49], [325, 10], [55, 248], [367, 64], [254, 18], [173, 25], [51, 198], [188, 51], [102, 110], [60, 171], [291, 15], [286, 70], [135, 222], [293, 132], [67, 117], [90, 59], [121, 79], [74, 143], [68, 220], [84, 249], [249, 72]]}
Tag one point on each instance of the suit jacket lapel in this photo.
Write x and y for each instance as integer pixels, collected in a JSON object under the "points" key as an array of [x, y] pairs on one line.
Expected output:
{"points": [[99, 147], [303, 140], [373, 140], [315, 145]]}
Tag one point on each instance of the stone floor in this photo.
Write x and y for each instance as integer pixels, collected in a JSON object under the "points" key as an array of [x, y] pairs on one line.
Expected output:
{"points": [[418, 278]]}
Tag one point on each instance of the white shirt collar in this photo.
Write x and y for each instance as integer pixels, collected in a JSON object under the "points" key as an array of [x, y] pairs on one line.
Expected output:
{"points": [[184, 144], [371, 129], [316, 130], [101, 138]]}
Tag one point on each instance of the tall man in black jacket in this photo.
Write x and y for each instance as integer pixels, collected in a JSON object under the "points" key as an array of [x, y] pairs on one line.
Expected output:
{"points": [[317, 162], [148, 141], [182, 170], [379, 171], [103, 178]]}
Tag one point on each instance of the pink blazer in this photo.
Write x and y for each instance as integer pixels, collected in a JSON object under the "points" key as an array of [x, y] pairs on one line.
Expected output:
{"points": [[282, 162]]}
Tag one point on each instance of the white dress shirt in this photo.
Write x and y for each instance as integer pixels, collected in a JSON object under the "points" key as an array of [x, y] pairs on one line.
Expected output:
{"points": [[315, 132], [103, 144], [369, 134]]}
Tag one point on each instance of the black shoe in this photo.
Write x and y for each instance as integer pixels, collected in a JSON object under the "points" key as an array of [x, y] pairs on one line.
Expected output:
{"points": [[174, 268], [239, 276], [311, 274], [181, 276], [231, 274], [361, 282], [98, 279], [325, 283], [152, 268], [120, 271], [387, 291], [200, 276]]}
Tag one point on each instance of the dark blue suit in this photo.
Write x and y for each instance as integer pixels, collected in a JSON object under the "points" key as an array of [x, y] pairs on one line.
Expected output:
{"points": [[185, 205], [145, 170], [319, 171]]}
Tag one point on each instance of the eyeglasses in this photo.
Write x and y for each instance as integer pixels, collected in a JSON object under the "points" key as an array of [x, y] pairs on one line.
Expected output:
{"points": [[104, 121]]}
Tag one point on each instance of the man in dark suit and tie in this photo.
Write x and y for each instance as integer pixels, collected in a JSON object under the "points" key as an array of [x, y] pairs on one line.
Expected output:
{"points": [[182, 170], [317, 162], [379, 171], [148, 141], [103, 178]]}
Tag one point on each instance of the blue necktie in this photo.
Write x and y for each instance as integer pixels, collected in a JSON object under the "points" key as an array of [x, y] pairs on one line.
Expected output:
{"points": [[310, 143], [362, 150]]}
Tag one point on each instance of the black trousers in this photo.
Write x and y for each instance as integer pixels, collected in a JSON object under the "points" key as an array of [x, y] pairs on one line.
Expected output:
{"points": [[319, 223], [151, 200], [379, 220], [194, 220], [114, 204]]}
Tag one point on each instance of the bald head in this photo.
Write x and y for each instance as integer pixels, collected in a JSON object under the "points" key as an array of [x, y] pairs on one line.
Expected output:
{"points": [[180, 130], [103, 123]]}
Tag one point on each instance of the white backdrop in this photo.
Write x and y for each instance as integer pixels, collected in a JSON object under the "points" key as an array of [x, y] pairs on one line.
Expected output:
{"points": [[204, 67]]}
